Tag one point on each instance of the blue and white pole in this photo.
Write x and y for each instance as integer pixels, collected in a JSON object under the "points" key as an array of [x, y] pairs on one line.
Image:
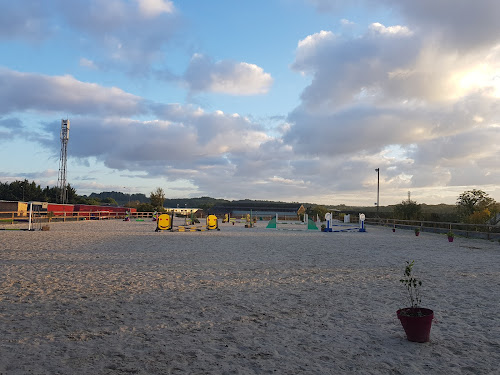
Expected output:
{"points": [[328, 218], [362, 223]]}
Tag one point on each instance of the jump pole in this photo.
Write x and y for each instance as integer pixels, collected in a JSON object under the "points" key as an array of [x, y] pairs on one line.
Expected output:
{"points": [[362, 222], [29, 220]]}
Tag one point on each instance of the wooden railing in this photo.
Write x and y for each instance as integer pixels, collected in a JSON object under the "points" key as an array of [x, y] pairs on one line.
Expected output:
{"points": [[8, 217], [489, 232], [485, 231], [11, 217]]}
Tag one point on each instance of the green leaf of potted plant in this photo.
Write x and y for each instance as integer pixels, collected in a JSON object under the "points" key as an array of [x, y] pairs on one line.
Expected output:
{"points": [[450, 235], [415, 320], [417, 231]]}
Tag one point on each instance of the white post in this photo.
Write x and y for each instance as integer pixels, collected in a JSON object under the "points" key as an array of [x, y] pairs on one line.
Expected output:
{"points": [[29, 220]]}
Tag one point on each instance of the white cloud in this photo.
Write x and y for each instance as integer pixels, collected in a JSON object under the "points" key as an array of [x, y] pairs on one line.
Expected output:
{"points": [[227, 77], [87, 63], [346, 22], [391, 30], [350, 69], [312, 41], [398, 88], [153, 8]]}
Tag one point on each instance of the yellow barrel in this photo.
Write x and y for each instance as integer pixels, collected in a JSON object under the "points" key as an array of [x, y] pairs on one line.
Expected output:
{"points": [[164, 222], [212, 222]]}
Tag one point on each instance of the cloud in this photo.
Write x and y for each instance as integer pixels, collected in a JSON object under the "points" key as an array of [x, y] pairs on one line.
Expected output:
{"points": [[125, 34], [227, 77], [30, 91], [29, 20], [346, 22], [397, 88], [347, 70], [459, 24], [128, 34], [87, 63], [391, 30], [181, 138], [455, 24], [153, 8], [11, 123]]}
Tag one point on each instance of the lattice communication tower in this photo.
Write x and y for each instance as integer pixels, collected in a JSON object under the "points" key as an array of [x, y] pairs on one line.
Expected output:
{"points": [[61, 180]]}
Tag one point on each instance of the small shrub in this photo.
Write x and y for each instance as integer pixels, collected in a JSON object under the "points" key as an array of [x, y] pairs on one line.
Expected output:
{"points": [[412, 285]]}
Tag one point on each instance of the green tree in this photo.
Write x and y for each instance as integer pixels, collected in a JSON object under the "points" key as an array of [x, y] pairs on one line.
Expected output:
{"points": [[71, 194], [206, 206], [408, 210], [132, 204], [145, 207], [473, 202], [110, 201], [30, 191], [157, 198], [317, 210]]}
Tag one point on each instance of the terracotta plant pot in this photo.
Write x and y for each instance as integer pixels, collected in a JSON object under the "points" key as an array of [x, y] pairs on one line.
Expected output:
{"points": [[450, 239], [416, 323], [393, 229], [417, 233]]}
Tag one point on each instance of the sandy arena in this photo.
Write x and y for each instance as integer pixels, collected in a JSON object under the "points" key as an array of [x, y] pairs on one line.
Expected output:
{"points": [[114, 297]]}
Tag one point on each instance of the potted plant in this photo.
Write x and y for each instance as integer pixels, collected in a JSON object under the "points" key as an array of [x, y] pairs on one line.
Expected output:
{"points": [[323, 227], [415, 320], [417, 231], [450, 235]]}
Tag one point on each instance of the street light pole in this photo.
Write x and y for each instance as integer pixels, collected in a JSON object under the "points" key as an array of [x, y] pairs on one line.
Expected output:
{"points": [[378, 187]]}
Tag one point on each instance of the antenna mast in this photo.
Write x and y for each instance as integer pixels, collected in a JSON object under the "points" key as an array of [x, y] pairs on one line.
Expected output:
{"points": [[61, 180]]}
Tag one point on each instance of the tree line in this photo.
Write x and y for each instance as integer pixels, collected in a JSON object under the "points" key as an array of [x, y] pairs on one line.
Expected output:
{"points": [[26, 191], [472, 206]]}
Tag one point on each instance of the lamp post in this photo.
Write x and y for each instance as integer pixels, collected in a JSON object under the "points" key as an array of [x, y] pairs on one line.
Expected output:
{"points": [[378, 187]]}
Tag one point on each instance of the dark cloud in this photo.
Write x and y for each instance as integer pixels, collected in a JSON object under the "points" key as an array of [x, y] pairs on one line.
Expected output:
{"points": [[118, 31], [11, 123], [455, 24], [30, 91], [27, 20], [461, 24], [123, 34]]}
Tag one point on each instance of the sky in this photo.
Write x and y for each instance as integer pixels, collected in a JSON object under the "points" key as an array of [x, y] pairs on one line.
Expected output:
{"points": [[290, 100]]}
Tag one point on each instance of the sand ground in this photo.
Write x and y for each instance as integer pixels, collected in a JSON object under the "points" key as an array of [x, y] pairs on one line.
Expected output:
{"points": [[115, 297]]}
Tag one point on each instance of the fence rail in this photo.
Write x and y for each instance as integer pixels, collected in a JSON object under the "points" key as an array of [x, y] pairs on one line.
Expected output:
{"points": [[485, 231], [12, 217]]}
